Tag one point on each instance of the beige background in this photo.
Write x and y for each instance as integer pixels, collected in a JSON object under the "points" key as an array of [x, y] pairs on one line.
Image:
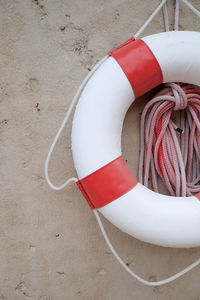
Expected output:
{"points": [[50, 244]]}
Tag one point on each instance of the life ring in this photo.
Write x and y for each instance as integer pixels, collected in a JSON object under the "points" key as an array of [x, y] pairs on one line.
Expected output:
{"points": [[104, 177]]}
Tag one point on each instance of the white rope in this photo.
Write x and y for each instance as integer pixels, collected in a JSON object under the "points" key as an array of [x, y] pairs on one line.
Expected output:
{"points": [[138, 33], [165, 16], [133, 274], [176, 17], [196, 11], [75, 99]]}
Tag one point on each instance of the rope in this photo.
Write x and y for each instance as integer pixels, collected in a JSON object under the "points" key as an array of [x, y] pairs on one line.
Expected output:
{"points": [[166, 18], [74, 101], [139, 32], [161, 154], [193, 9], [133, 274], [176, 17]]}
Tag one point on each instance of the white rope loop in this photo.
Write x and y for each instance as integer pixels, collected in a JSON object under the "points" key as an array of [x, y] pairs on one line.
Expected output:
{"points": [[133, 274], [139, 32], [74, 101]]}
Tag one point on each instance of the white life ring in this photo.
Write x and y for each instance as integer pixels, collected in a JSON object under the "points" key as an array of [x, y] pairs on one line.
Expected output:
{"points": [[132, 69]]}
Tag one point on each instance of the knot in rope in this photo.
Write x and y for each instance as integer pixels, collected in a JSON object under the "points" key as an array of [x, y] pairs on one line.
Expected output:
{"points": [[180, 97]]}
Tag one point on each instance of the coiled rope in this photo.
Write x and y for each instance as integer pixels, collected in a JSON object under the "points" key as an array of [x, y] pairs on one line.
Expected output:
{"points": [[74, 179], [161, 154]]}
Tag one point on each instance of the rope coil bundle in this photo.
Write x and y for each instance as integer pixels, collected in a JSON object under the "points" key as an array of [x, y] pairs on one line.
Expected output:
{"points": [[161, 155]]}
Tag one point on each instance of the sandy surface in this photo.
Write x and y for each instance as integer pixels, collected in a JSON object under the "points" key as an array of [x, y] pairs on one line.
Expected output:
{"points": [[50, 245]]}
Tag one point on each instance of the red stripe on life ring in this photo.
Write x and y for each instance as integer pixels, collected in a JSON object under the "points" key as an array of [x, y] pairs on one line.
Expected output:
{"points": [[107, 183], [139, 65]]}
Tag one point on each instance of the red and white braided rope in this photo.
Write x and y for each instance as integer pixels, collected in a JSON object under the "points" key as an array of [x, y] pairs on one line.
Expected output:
{"points": [[178, 164]]}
